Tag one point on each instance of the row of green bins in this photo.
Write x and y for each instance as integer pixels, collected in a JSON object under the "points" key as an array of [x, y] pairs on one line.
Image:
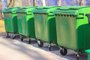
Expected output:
{"points": [[10, 19], [45, 26], [26, 22], [73, 28], [88, 54]]}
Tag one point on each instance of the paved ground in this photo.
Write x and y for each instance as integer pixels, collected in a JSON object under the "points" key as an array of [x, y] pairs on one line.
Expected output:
{"points": [[16, 50]]}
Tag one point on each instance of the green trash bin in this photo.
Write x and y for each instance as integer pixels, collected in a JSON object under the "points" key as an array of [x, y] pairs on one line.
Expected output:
{"points": [[88, 54], [10, 19], [26, 22], [45, 27], [73, 28]]}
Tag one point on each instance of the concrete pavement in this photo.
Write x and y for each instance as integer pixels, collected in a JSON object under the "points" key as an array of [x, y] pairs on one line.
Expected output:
{"points": [[16, 50]]}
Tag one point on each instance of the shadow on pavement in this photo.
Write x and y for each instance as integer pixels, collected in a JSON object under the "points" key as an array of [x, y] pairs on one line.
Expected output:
{"points": [[23, 48]]}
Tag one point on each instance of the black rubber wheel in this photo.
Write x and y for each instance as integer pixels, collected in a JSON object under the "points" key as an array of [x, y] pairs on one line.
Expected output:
{"points": [[77, 56], [22, 39], [29, 42], [7, 36], [40, 43], [50, 48], [13, 36], [63, 51]]}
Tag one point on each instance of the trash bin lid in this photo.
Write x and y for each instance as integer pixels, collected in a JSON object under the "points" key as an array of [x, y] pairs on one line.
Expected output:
{"points": [[10, 10], [26, 10], [73, 10], [46, 9]]}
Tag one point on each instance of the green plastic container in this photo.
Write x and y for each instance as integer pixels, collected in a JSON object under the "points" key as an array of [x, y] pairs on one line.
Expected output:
{"points": [[45, 27], [26, 21], [10, 18], [73, 28], [88, 54]]}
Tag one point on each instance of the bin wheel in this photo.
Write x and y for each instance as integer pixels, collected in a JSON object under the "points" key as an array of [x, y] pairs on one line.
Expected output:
{"points": [[78, 55], [50, 47], [7, 36], [40, 43], [63, 51], [13, 37], [29, 42], [22, 39]]}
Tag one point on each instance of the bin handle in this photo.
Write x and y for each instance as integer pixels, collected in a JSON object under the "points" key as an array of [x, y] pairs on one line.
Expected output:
{"points": [[88, 15], [73, 8], [80, 14], [80, 17]]}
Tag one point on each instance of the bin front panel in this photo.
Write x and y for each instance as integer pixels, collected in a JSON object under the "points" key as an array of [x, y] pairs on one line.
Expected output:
{"points": [[15, 23], [23, 22], [39, 26], [8, 22], [70, 31], [10, 18], [73, 28], [20, 23], [45, 27], [66, 30], [26, 21]]}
